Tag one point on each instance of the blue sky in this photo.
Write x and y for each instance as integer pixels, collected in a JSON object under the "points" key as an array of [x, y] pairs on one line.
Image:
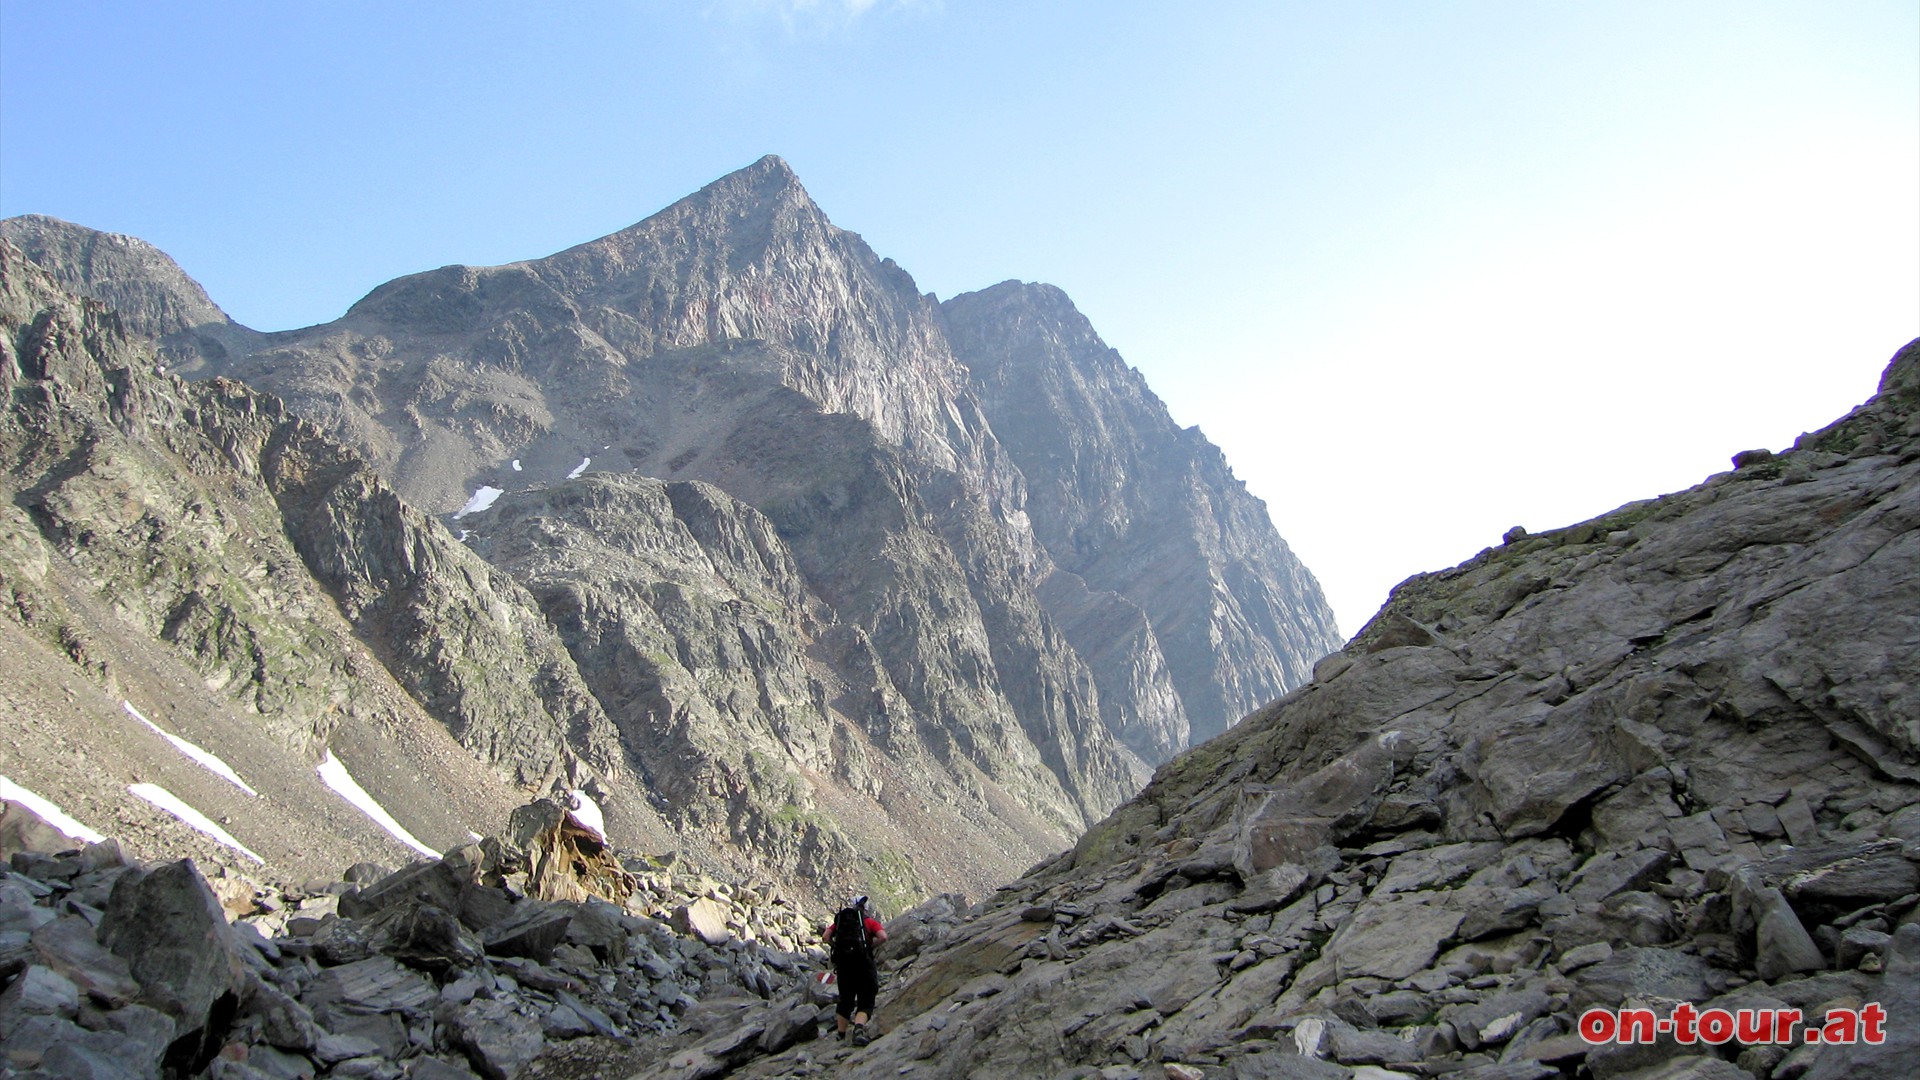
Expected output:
{"points": [[1424, 270]]}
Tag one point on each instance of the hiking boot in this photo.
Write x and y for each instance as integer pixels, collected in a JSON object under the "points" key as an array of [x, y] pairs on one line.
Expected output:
{"points": [[860, 1036]]}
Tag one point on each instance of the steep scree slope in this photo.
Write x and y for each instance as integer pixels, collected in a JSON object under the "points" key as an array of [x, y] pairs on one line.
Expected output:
{"points": [[1668, 755]]}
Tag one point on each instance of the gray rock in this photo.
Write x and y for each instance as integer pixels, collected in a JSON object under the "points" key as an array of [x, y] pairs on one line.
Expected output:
{"points": [[1606, 874], [341, 941], [1782, 944], [789, 1026], [99, 1055], [533, 932], [1497, 1018], [1391, 940], [1857, 943], [284, 1022], [334, 1049], [498, 1041], [22, 830], [279, 1064], [428, 937], [1591, 953], [432, 1068], [170, 929], [1860, 875], [1796, 817], [1353, 1046], [1697, 1067], [149, 1032], [376, 984], [1643, 973], [1898, 992], [703, 919], [1281, 1065], [38, 991], [70, 948]]}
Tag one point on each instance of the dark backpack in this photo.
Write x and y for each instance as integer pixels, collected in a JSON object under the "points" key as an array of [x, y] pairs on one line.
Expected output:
{"points": [[851, 945]]}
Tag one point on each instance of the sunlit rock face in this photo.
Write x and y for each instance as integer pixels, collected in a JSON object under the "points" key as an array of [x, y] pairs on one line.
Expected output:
{"points": [[813, 601]]}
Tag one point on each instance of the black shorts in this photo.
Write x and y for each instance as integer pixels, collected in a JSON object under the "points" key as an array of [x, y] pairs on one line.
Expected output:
{"points": [[858, 986]]}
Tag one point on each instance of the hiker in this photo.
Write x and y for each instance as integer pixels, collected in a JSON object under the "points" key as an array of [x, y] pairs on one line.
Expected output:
{"points": [[851, 939]]}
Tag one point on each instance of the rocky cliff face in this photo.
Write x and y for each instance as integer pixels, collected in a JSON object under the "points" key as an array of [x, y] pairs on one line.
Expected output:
{"points": [[1665, 756], [744, 477], [1163, 562]]}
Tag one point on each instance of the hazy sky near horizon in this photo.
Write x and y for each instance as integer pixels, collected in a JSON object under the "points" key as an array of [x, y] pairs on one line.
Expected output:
{"points": [[1424, 270]]}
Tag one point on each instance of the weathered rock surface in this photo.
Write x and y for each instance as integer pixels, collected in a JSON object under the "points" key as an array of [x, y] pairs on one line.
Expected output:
{"points": [[1659, 757]]}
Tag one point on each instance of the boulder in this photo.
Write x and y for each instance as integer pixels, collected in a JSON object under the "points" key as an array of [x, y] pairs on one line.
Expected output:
{"points": [[1782, 945], [532, 931], [169, 928], [704, 919], [497, 1040]]}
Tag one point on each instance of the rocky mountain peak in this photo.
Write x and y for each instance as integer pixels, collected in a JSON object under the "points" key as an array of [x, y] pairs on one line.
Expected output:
{"points": [[822, 604]]}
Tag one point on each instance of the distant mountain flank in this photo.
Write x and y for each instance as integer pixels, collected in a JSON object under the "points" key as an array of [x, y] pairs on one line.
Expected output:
{"points": [[840, 565]]}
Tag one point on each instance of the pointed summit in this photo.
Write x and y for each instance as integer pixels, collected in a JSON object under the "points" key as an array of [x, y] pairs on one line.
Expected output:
{"points": [[762, 191]]}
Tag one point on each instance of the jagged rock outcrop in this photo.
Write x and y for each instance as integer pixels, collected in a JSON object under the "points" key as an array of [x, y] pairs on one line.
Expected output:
{"points": [[735, 459], [1179, 568], [1665, 756]]}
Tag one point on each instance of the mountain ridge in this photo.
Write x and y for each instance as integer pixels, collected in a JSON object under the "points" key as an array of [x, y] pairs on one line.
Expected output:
{"points": [[739, 339]]}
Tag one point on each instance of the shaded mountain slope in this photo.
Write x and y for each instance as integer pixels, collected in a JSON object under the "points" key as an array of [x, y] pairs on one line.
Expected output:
{"points": [[1146, 513]]}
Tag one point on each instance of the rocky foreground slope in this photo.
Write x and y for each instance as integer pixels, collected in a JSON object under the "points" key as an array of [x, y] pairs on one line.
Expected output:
{"points": [[1668, 755], [810, 596]]}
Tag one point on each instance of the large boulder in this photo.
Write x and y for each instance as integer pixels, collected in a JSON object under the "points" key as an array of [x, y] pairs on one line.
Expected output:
{"points": [[169, 928]]}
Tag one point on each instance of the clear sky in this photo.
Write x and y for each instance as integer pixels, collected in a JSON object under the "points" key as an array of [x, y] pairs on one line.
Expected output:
{"points": [[1425, 270]]}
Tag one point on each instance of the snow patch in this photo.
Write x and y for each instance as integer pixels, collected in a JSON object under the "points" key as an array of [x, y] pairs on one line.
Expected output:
{"points": [[482, 499], [463, 536], [586, 813], [580, 468], [49, 813], [203, 758], [516, 464], [194, 819], [335, 776]]}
